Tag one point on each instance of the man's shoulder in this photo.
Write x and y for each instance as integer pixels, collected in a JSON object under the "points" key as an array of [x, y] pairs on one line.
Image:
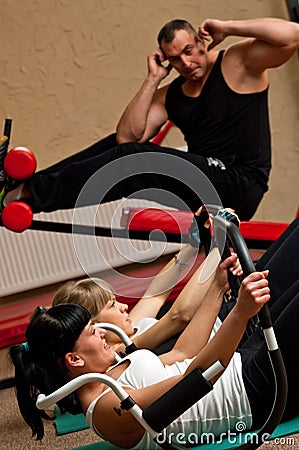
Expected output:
{"points": [[236, 71]]}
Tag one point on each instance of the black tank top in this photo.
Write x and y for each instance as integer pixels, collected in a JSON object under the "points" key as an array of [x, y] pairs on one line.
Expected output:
{"points": [[223, 124]]}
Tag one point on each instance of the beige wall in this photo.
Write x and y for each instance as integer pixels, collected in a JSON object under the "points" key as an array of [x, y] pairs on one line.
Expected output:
{"points": [[68, 68]]}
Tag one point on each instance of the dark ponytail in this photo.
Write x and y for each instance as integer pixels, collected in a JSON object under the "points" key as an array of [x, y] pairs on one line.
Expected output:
{"points": [[39, 363], [26, 375]]}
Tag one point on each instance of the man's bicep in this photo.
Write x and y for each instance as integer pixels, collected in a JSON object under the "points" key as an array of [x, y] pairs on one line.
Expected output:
{"points": [[259, 56], [157, 115]]}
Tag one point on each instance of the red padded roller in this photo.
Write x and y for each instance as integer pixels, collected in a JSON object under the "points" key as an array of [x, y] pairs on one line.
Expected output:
{"points": [[20, 163], [17, 216]]}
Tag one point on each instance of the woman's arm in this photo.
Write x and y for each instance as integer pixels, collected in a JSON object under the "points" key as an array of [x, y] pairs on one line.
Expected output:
{"points": [[198, 331], [254, 294], [160, 288], [207, 285], [163, 283], [183, 308], [124, 430]]}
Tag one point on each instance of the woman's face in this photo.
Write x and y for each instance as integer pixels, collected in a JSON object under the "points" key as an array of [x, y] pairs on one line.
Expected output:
{"points": [[116, 313], [93, 348]]}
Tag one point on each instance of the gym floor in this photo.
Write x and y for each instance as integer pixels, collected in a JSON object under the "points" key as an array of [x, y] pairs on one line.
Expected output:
{"points": [[16, 435]]}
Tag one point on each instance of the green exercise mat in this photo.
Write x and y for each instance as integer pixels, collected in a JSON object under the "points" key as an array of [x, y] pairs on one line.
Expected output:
{"points": [[68, 423]]}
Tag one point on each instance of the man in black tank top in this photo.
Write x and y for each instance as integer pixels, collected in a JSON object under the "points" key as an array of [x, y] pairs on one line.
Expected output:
{"points": [[219, 102]]}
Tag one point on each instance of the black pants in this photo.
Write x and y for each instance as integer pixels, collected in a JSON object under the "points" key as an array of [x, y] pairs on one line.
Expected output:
{"points": [[172, 177], [282, 261]]}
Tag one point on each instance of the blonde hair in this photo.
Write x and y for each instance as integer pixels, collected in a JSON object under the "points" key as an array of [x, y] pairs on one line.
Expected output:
{"points": [[91, 293]]}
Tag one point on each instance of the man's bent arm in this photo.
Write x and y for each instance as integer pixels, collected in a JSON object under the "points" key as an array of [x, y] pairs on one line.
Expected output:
{"points": [[146, 113], [274, 40]]}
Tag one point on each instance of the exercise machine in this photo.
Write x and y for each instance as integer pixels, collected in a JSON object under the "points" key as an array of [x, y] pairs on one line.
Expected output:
{"points": [[191, 389]]}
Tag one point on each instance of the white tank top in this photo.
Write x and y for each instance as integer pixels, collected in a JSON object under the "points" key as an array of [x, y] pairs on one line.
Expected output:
{"points": [[144, 324], [221, 410]]}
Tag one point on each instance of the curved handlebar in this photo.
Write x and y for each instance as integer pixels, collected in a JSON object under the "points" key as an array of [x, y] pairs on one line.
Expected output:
{"points": [[130, 346], [222, 226], [117, 330], [44, 402]]}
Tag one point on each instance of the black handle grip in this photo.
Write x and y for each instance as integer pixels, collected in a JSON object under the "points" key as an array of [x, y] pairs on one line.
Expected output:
{"points": [[222, 226]]}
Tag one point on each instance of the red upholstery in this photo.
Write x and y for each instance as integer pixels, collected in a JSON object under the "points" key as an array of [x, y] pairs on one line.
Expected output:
{"points": [[172, 221], [14, 318], [162, 133]]}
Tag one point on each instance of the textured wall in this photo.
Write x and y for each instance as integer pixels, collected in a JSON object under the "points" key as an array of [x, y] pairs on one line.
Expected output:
{"points": [[69, 67]]}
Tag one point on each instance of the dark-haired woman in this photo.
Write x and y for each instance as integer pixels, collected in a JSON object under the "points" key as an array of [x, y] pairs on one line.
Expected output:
{"points": [[62, 344]]}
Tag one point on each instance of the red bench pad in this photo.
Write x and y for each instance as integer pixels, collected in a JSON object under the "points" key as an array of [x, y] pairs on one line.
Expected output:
{"points": [[14, 318], [178, 222]]}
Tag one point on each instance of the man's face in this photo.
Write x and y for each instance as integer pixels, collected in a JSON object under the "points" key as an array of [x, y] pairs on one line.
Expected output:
{"points": [[186, 55]]}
